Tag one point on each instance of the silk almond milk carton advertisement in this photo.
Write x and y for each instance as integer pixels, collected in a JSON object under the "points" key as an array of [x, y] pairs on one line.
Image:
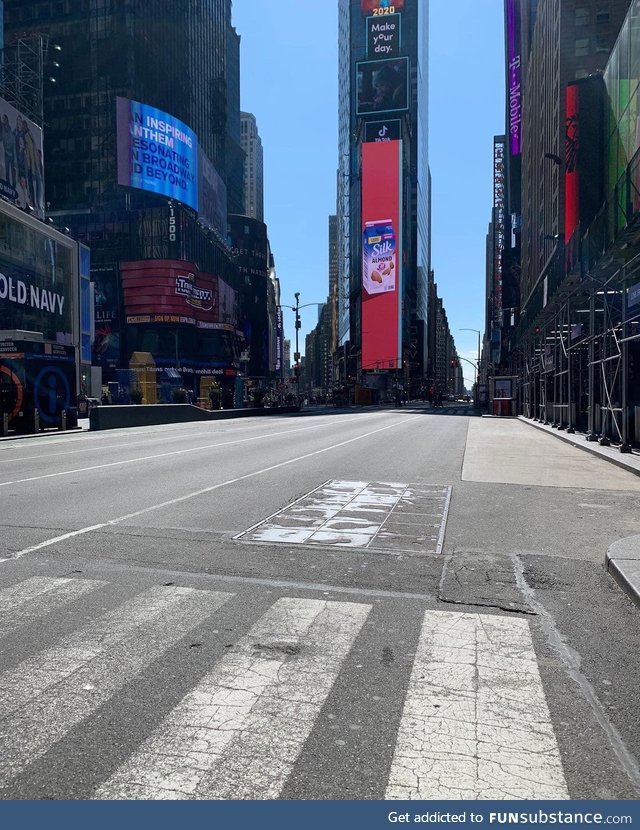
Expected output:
{"points": [[379, 262]]}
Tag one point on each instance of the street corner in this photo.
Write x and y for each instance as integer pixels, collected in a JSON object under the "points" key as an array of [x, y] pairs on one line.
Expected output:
{"points": [[622, 560]]}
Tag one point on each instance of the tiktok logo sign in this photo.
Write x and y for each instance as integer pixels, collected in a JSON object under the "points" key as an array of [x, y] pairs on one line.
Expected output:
{"points": [[382, 130]]}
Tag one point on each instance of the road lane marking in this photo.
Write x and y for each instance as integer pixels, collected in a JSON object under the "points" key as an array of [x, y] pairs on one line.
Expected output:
{"points": [[203, 491], [50, 693], [163, 437], [475, 723], [237, 734], [261, 437], [34, 598]]}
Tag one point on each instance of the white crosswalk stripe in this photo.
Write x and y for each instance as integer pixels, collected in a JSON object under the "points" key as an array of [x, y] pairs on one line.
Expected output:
{"points": [[475, 723], [238, 733], [38, 596], [49, 693]]}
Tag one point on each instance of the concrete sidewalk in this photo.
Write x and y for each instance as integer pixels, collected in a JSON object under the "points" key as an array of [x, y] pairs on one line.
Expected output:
{"points": [[622, 559], [628, 461]]}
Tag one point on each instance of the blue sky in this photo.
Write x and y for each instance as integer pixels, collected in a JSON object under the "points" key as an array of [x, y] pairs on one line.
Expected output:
{"points": [[288, 71]]}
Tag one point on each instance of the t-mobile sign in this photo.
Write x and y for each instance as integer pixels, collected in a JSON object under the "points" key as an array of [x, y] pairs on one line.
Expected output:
{"points": [[514, 77]]}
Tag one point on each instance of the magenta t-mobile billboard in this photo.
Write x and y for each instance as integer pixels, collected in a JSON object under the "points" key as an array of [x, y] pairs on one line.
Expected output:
{"points": [[514, 75]]}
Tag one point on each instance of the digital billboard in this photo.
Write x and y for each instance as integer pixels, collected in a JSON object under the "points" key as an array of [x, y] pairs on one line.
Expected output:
{"points": [[169, 291], [381, 255], [106, 343], [38, 276], [381, 7], [156, 152], [382, 86], [571, 173], [382, 130], [383, 36], [21, 165], [514, 76], [499, 224]]}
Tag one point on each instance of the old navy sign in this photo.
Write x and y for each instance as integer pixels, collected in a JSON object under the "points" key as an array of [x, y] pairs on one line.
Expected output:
{"points": [[383, 36], [31, 296]]}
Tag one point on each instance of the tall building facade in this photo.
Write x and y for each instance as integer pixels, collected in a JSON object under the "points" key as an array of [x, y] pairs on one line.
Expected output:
{"points": [[572, 160], [143, 158], [383, 192], [253, 167]]}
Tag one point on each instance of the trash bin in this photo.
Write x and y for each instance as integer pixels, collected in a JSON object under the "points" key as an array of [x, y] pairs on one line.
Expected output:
{"points": [[72, 417], [501, 407]]}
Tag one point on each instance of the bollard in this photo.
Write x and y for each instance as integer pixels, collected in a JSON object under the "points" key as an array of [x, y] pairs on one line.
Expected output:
{"points": [[4, 424], [63, 419]]}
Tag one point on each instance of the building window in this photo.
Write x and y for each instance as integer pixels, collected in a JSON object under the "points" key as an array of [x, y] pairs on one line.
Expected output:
{"points": [[582, 17], [602, 16], [581, 73], [582, 47], [602, 44]]}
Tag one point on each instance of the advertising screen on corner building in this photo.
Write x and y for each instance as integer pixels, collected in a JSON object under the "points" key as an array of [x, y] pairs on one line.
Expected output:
{"points": [[156, 152], [381, 255]]}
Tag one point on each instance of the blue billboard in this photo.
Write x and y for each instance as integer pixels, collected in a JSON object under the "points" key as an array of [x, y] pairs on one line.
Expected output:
{"points": [[156, 152]]}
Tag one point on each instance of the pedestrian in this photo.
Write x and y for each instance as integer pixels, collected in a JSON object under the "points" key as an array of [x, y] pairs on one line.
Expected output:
{"points": [[190, 396], [439, 399]]}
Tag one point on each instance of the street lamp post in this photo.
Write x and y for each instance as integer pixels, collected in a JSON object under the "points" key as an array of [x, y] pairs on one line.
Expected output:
{"points": [[477, 395], [298, 324], [296, 355]]}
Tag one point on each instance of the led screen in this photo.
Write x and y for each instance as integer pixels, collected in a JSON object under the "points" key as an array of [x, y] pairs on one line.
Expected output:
{"points": [[382, 86], [156, 152], [514, 77], [21, 167], [381, 255]]}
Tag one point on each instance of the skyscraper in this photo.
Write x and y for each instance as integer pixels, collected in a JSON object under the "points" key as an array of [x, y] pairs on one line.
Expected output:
{"points": [[174, 60], [143, 157], [383, 190], [253, 167]]}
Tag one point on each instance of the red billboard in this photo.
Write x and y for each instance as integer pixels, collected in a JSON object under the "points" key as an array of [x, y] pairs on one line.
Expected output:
{"points": [[174, 291], [571, 172], [381, 255]]}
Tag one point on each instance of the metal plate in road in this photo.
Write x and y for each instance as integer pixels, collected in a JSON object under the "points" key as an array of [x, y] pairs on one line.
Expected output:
{"points": [[383, 516]]}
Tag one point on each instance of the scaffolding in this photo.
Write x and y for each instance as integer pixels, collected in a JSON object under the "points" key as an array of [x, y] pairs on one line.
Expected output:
{"points": [[25, 58], [579, 369]]}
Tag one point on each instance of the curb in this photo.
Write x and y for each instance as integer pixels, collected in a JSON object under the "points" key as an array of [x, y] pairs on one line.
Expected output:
{"points": [[624, 566], [583, 445], [50, 434]]}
